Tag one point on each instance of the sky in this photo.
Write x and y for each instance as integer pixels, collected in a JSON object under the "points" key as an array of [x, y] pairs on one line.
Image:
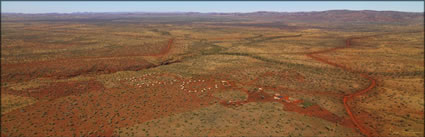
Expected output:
{"points": [[208, 6]]}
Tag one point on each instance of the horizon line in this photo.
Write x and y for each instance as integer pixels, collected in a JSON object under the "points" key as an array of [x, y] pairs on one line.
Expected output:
{"points": [[203, 12]]}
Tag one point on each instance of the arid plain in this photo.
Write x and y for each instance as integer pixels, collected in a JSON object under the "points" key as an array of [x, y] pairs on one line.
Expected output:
{"points": [[331, 73]]}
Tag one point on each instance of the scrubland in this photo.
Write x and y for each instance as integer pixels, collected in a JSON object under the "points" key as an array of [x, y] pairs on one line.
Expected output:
{"points": [[210, 75]]}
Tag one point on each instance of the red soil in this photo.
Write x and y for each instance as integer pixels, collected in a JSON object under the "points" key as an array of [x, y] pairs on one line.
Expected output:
{"points": [[294, 105], [69, 68], [100, 111], [314, 111], [312, 92], [65, 68], [58, 90]]}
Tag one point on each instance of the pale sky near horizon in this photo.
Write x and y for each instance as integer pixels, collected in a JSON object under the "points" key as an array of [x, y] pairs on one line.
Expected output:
{"points": [[207, 6]]}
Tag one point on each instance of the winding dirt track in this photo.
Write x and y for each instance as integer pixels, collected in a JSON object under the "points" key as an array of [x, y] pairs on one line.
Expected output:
{"points": [[348, 97]]}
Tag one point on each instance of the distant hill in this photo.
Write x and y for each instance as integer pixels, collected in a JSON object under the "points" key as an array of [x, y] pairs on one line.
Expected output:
{"points": [[343, 15], [322, 16]]}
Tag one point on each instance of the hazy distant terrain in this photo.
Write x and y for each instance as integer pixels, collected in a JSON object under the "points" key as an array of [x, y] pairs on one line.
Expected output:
{"points": [[330, 73]]}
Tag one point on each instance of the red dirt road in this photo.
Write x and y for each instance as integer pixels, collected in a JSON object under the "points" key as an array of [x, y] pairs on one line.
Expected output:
{"points": [[348, 97], [294, 105]]}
